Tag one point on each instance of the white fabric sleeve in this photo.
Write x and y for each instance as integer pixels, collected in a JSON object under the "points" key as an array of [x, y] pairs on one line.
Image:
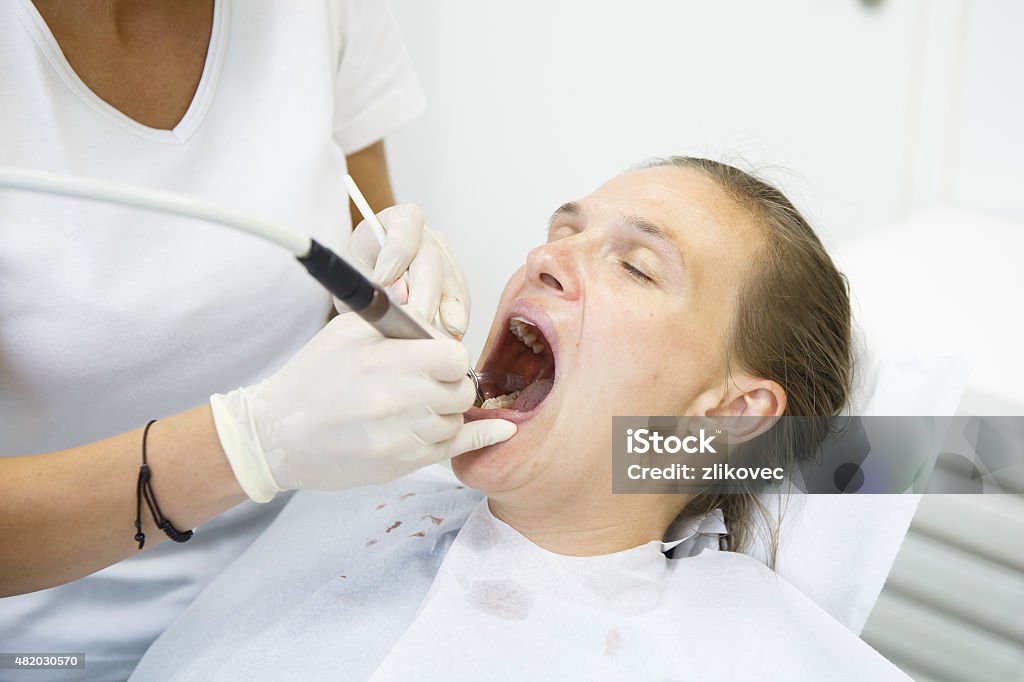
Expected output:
{"points": [[376, 89]]}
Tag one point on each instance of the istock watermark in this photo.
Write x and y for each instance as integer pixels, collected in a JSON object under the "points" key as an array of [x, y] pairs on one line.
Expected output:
{"points": [[642, 441], [834, 455]]}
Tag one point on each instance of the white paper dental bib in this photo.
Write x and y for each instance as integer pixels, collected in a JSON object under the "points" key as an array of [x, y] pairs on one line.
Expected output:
{"points": [[416, 580], [502, 608]]}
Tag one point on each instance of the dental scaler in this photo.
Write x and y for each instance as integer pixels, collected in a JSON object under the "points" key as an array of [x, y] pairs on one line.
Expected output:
{"points": [[363, 297]]}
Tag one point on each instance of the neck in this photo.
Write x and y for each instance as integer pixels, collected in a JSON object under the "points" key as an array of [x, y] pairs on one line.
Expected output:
{"points": [[590, 527]]}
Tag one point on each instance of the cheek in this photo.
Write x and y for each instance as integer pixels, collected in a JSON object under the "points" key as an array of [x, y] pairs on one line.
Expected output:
{"points": [[619, 363], [639, 365]]}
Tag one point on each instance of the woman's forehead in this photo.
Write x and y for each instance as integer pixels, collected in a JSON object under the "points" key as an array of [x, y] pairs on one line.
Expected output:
{"points": [[683, 201]]}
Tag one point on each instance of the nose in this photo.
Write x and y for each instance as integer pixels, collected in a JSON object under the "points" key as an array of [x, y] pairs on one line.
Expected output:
{"points": [[554, 267]]}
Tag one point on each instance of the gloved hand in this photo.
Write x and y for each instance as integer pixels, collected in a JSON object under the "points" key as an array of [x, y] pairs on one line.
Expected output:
{"points": [[351, 408], [436, 286]]}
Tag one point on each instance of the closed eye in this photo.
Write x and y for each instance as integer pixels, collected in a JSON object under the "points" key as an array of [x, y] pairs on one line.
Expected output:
{"points": [[636, 272]]}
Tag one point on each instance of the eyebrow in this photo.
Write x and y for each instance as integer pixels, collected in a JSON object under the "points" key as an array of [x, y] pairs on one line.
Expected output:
{"points": [[569, 208], [638, 223]]}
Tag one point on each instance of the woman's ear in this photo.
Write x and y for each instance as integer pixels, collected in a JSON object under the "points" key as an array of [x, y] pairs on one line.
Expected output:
{"points": [[750, 407]]}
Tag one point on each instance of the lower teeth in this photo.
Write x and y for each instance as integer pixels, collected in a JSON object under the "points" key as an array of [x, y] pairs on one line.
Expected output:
{"points": [[500, 402]]}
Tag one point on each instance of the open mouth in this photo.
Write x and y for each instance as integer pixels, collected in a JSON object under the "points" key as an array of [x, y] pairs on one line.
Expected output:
{"points": [[520, 370]]}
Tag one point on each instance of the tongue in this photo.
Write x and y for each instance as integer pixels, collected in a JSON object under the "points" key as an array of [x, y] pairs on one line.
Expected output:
{"points": [[533, 395]]}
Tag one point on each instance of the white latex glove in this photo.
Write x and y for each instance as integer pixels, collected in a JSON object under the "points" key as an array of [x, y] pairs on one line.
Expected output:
{"points": [[351, 408], [436, 286]]}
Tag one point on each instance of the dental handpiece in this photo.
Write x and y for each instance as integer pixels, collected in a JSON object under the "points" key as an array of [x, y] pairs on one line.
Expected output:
{"points": [[340, 278], [368, 300], [388, 318]]}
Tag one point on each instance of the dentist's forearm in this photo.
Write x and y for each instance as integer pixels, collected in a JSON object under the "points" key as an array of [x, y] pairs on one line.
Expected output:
{"points": [[369, 168], [67, 514]]}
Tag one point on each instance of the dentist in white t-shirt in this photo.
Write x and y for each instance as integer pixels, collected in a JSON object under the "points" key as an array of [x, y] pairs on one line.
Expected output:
{"points": [[111, 317]]}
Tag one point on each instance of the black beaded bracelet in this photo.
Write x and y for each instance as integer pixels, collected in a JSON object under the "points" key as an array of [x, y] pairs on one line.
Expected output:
{"points": [[144, 489]]}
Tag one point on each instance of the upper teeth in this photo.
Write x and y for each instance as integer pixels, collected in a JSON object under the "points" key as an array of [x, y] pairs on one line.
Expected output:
{"points": [[526, 332]]}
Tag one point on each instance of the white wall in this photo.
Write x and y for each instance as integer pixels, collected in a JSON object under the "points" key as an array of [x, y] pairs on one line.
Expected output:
{"points": [[537, 102], [987, 139], [867, 114]]}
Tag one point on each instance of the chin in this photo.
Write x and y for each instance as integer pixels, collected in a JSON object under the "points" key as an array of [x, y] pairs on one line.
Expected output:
{"points": [[502, 466]]}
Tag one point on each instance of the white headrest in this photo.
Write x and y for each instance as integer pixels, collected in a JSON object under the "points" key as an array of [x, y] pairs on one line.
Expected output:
{"points": [[839, 549]]}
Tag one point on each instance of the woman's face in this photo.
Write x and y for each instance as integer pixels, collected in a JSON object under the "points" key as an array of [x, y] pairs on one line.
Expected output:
{"points": [[630, 300]]}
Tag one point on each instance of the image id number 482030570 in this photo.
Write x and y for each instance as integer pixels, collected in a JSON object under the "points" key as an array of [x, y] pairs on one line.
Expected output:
{"points": [[41, 661]]}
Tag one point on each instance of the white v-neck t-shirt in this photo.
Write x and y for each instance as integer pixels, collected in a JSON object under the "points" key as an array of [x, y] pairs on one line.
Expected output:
{"points": [[110, 316]]}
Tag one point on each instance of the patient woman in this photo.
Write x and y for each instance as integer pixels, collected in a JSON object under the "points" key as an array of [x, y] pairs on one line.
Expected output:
{"points": [[686, 287]]}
